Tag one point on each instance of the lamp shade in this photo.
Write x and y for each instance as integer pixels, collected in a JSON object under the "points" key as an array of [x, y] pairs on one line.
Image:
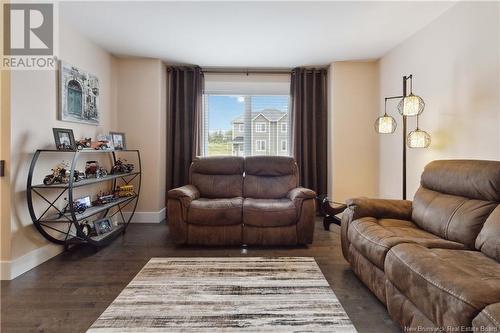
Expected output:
{"points": [[411, 105], [385, 124], [418, 139]]}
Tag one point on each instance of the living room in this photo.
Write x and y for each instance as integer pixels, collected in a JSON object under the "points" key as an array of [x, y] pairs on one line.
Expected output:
{"points": [[250, 166]]}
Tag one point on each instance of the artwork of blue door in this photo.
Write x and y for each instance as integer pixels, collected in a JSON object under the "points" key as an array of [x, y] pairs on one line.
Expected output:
{"points": [[74, 98]]}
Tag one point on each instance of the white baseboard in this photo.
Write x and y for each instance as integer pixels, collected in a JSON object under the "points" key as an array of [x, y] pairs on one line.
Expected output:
{"points": [[13, 268], [147, 217], [10, 269]]}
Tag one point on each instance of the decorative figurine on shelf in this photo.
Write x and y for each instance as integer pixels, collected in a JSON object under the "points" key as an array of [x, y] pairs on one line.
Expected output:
{"points": [[121, 167], [125, 191], [104, 198], [79, 206], [87, 229], [61, 174], [87, 143], [94, 170]]}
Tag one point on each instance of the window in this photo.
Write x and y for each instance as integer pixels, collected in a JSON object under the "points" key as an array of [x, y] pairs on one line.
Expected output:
{"points": [[260, 127], [284, 146], [260, 145], [231, 102], [284, 127]]}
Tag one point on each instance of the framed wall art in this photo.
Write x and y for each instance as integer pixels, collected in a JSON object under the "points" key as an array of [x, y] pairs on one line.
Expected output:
{"points": [[79, 95]]}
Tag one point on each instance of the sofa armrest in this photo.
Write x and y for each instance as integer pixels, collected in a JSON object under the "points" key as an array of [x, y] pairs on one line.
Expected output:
{"points": [[377, 208], [301, 193], [185, 194]]}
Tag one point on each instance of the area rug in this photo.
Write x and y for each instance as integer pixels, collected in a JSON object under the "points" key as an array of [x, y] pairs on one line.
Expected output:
{"points": [[247, 294]]}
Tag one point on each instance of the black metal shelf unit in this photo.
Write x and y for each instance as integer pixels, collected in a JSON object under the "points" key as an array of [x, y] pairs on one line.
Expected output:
{"points": [[64, 227]]}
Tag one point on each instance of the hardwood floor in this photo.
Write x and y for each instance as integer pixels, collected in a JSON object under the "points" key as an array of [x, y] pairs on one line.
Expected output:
{"points": [[69, 292]]}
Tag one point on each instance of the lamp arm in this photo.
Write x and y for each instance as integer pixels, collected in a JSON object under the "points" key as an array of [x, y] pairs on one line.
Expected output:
{"points": [[393, 97]]}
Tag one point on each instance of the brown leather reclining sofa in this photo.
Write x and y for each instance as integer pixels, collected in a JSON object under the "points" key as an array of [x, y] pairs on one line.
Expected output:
{"points": [[435, 261], [234, 200]]}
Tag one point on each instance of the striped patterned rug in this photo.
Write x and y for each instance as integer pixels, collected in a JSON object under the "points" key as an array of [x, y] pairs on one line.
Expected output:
{"points": [[248, 294]]}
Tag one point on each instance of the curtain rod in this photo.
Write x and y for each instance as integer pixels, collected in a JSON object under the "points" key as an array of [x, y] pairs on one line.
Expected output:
{"points": [[242, 71]]}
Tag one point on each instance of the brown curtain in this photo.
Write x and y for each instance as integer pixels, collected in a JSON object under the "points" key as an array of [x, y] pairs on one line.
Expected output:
{"points": [[184, 122], [309, 126]]}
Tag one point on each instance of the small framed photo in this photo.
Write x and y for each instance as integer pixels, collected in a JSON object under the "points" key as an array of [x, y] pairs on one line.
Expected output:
{"points": [[118, 139], [84, 201], [103, 226], [64, 138]]}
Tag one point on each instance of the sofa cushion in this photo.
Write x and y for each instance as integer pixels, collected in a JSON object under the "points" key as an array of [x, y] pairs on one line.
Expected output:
{"points": [[217, 176], [374, 237], [488, 240], [450, 287], [214, 212], [456, 197], [473, 179], [451, 217], [488, 320], [269, 212], [269, 177]]}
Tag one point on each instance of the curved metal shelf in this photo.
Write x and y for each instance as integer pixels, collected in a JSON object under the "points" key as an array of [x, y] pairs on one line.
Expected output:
{"points": [[65, 228], [89, 181]]}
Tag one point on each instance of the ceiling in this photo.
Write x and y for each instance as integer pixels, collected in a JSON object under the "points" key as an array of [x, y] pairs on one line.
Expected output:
{"points": [[250, 34]]}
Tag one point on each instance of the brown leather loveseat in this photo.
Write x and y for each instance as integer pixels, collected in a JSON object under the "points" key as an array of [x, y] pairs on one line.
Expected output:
{"points": [[234, 200], [435, 261]]}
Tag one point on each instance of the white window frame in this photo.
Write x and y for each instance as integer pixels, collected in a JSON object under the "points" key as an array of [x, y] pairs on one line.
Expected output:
{"points": [[258, 125], [286, 145], [257, 145], [241, 127], [286, 127]]}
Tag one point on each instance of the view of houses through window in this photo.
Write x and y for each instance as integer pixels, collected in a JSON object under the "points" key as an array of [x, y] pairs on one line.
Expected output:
{"points": [[246, 125]]}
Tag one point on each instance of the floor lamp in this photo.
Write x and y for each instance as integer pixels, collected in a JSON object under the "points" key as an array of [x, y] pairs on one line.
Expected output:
{"points": [[410, 105]]}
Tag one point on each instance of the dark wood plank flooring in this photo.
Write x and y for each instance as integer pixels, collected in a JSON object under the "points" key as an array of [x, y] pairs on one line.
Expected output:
{"points": [[69, 292]]}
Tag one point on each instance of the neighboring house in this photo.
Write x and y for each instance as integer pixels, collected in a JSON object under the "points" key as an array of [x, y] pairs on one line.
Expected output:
{"points": [[269, 135]]}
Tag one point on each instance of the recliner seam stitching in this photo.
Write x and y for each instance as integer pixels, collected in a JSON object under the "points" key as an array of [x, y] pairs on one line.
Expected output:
{"points": [[371, 241], [491, 317], [451, 217], [437, 285]]}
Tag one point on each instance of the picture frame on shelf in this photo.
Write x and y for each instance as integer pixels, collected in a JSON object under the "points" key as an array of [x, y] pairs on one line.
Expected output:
{"points": [[84, 201], [103, 226], [64, 138], [118, 140]]}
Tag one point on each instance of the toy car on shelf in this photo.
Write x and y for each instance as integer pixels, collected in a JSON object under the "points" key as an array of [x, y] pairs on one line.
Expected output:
{"points": [[125, 191], [87, 143], [122, 167], [79, 206], [94, 170], [61, 174], [104, 198]]}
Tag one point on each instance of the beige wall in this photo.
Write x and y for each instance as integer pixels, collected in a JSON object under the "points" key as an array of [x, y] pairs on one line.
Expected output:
{"points": [[455, 62], [5, 155], [141, 85], [353, 148], [34, 102]]}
